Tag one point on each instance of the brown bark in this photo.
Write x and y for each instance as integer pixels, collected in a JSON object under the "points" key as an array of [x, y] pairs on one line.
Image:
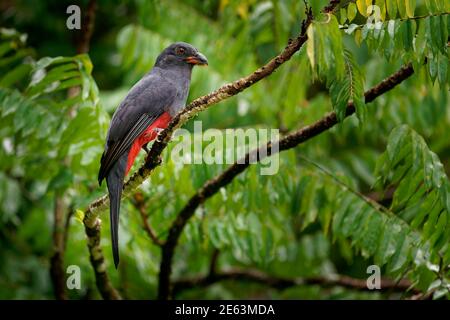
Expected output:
{"points": [[87, 29], [57, 274], [256, 276], [107, 291]]}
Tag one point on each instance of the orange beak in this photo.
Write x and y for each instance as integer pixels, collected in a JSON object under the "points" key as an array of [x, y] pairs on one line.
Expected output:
{"points": [[198, 59]]}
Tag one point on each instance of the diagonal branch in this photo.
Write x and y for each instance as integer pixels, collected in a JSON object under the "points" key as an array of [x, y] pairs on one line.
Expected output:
{"points": [[291, 140]]}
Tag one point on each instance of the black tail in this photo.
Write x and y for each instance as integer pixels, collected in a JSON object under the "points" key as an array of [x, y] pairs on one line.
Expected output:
{"points": [[114, 181]]}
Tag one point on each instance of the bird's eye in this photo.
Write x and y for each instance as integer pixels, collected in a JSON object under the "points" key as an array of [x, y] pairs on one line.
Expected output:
{"points": [[179, 51]]}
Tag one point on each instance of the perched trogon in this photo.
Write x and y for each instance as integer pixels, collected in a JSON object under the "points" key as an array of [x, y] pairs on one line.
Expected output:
{"points": [[148, 107]]}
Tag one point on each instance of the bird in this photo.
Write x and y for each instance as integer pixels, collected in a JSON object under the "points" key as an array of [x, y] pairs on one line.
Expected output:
{"points": [[147, 109]]}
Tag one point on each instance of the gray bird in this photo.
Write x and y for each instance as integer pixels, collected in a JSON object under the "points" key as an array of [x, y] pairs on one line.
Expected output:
{"points": [[147, 108]]}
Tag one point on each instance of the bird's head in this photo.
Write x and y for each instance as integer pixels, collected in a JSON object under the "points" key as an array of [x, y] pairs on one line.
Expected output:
{"points": [[180, 54]]}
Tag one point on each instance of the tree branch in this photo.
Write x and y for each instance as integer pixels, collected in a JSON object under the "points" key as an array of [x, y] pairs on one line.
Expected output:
{"points": [[67, 226], [87, 29], [140, 206], [57, 273], [107, 291], [256, 276], [213, 263], [291, 140]]}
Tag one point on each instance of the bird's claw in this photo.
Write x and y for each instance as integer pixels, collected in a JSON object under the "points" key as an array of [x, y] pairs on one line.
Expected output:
{"points": [[158, 133]]}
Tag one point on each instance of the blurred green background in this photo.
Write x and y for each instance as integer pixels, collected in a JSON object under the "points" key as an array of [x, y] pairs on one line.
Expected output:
{"points": [[284, 225]]}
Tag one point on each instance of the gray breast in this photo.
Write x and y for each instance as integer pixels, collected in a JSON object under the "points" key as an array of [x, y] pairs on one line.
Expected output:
{"points": [[181, 79]]}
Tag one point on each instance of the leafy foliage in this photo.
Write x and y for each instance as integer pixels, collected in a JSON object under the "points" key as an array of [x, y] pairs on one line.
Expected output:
{"points": [[421, 195], [406, 36], [350, 88], [373, 190], [51, 142]]}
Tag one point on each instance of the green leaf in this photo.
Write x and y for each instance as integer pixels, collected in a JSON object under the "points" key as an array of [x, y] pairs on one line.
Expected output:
{"points": [[339, 216], [401, 5], [370, 233], [317, 6], [382, 5], [79, 215], [421, 40], [15, 75], [351, 11], [342, 16], [392, 234], [362, 7], [439, 35], [391, 6], [422, 185], [310, 46], [410, 7], [433, 69], [325, 49], [349, 88], [402, 253], [431, 6], [408, 30]]}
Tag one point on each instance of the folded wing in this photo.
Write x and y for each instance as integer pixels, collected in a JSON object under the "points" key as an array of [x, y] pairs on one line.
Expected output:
{"points": [[145, 103]]}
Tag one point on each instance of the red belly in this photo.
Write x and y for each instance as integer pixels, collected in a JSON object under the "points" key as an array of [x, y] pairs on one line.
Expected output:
{"points": [[148, 135]]}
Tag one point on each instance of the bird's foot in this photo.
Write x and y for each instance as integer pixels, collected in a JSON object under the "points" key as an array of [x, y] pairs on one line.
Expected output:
{"points": [[158, 133]]}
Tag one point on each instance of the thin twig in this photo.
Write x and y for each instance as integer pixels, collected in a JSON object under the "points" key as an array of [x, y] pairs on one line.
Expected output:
{"points": [[256, 276], [139, 204], [69, 216], [377, 206], [213, 263]]}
